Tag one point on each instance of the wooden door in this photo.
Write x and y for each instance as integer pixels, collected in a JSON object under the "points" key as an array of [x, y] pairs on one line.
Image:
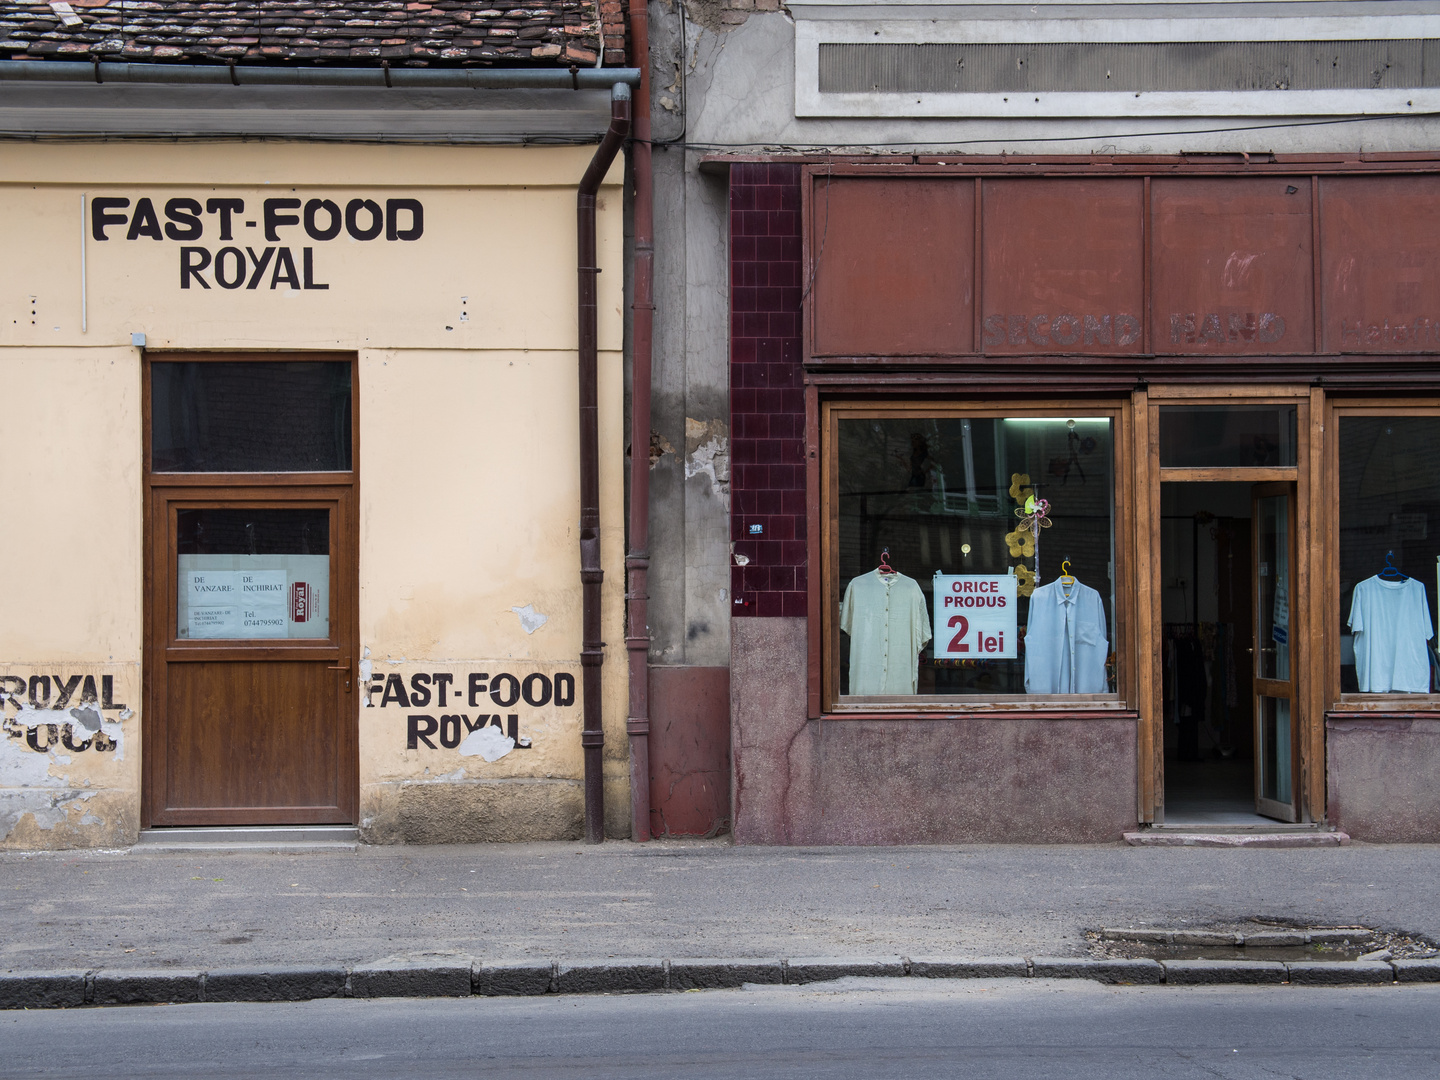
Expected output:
{"points": [[252, 628], [1277, 747]]}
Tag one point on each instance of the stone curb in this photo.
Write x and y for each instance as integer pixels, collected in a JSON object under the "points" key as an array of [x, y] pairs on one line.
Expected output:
{"points": [[462, 978], [273, 983], [411, 979], [1345, 973], [1225, 972], [1115, 972], [1413, 971]]}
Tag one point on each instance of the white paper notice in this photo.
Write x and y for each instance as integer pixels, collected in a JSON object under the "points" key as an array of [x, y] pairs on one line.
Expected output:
{"points": [[254, 596], [976, 617]]}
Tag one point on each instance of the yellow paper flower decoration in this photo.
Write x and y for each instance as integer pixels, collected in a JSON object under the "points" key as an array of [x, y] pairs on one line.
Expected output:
{"points": [[1020, 488], [1027, 580], [1021, 542]]}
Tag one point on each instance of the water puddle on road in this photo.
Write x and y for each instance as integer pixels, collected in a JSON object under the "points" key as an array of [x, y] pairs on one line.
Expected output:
{"points": [[1256, 940]]}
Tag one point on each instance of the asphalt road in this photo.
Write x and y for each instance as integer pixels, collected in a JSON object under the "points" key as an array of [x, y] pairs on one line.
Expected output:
{"points": [[673, 899], [857, 1028]]}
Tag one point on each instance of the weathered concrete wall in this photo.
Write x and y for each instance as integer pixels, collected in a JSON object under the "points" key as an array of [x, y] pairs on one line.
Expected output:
{"points": [[1380, 778], [689, 751], [689, 611], [950, 780], [740, 96]]}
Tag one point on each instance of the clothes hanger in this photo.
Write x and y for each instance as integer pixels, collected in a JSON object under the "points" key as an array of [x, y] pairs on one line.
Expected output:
{"points": [[885, 568], [1391, 571], [1065, 578]]}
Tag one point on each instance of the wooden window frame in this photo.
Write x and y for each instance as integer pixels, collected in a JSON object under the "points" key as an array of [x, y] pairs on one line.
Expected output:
{"points": [[1333, 699], [825, 700]]}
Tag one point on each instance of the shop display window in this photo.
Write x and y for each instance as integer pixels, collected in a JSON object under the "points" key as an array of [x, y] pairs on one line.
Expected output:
{"points": [[1389, 553], [973, 557]]}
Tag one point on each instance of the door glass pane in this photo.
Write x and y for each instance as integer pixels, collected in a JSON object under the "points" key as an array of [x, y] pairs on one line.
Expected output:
{"points": [[253, 573], [1275, 749], [250, 416], [1272, 580], [1389, 556], [1226, 436]]}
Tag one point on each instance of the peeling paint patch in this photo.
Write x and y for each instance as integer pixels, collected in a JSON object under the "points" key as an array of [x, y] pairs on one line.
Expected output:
{"points": [[659, 447], [367, 668], [707, 453], [49, 808], [530, 619], [487, 742], [77, 730]]}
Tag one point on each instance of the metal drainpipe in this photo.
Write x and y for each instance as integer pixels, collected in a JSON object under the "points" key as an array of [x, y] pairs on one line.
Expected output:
{"points": [[637, 560], [592, 736]]}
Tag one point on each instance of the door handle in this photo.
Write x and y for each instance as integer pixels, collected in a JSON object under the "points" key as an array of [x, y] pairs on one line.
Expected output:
{"points": [[344, 665]]}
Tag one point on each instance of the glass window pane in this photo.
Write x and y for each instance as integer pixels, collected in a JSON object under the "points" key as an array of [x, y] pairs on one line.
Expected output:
{"points": [[1272, 571], [253, 573], [250, 416], [1389, 516], [944, 500], [1275, 750], [1226, 436]]}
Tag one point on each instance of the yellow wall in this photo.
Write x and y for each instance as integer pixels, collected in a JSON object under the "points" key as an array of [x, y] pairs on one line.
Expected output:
{"points": [[468, 460]]}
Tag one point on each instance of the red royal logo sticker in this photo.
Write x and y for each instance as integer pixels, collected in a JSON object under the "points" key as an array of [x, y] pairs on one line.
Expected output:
{"points": [[300, 601]]}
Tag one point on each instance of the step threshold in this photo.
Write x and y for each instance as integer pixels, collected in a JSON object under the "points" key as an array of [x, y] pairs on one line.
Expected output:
{"points": [[296, 839], [1239, 827], [1175, 836]]}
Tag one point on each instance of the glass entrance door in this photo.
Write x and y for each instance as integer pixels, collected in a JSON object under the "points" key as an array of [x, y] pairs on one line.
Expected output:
{"points": [[1276, 745]]}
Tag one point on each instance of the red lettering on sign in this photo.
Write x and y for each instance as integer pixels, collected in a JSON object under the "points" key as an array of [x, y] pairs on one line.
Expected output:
{"points": [[956, 645]]}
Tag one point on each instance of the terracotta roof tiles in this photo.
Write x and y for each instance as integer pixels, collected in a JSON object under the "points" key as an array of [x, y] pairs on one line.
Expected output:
{"points": [[441, 33]]}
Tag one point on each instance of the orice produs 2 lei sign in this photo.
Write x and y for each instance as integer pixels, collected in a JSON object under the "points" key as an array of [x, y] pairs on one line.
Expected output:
{"points": [[231, 243]]}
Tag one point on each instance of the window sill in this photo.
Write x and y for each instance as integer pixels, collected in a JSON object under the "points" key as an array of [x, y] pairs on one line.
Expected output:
{"points": [[1387, 703], [945, 707]]}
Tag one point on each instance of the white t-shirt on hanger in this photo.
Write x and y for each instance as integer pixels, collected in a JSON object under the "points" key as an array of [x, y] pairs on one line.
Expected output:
{"points": [[1391, 622]]}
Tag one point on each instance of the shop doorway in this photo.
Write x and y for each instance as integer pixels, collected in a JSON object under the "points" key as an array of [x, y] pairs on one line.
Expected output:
{"points": [[252, 588], [1229, 613]]}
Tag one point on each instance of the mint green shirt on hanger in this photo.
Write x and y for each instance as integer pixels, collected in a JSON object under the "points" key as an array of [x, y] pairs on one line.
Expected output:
{"points": [[888, 624]]}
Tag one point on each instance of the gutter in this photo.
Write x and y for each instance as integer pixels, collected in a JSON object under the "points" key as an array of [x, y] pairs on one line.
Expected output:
{"points": [[637, 559], [618, 81], [276, 75]]}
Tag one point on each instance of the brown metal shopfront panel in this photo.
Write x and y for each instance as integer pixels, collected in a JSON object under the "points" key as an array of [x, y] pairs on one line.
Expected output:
{"points": [[1166, 261], [1380, 253], [1063, 266], [1232, 265], [894, 266]]}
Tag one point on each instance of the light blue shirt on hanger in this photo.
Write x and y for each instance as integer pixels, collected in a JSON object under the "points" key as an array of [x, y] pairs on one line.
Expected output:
{"points": [[1065, 640]]}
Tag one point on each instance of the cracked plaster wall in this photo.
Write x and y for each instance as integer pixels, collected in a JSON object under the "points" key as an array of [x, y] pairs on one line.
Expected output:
{"points": [[70, 611]]}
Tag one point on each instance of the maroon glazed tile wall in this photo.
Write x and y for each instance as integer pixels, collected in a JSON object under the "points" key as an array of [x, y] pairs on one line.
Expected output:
{"points": [[767, 399]]}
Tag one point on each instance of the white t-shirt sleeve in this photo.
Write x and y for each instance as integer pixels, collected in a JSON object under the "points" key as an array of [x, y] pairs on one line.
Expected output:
{"points": [[920, 618], [1357, 618]]}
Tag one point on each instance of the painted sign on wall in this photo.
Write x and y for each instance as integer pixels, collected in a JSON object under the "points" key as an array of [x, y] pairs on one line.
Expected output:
{"points": [[280, 252], [479, 731]]}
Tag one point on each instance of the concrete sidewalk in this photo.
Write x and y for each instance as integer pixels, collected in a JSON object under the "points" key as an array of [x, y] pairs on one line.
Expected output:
{"points": [[533, 902]]}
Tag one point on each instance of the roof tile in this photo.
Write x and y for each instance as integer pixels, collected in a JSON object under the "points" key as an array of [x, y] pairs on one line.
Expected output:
{"points": [[368, 32]]}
